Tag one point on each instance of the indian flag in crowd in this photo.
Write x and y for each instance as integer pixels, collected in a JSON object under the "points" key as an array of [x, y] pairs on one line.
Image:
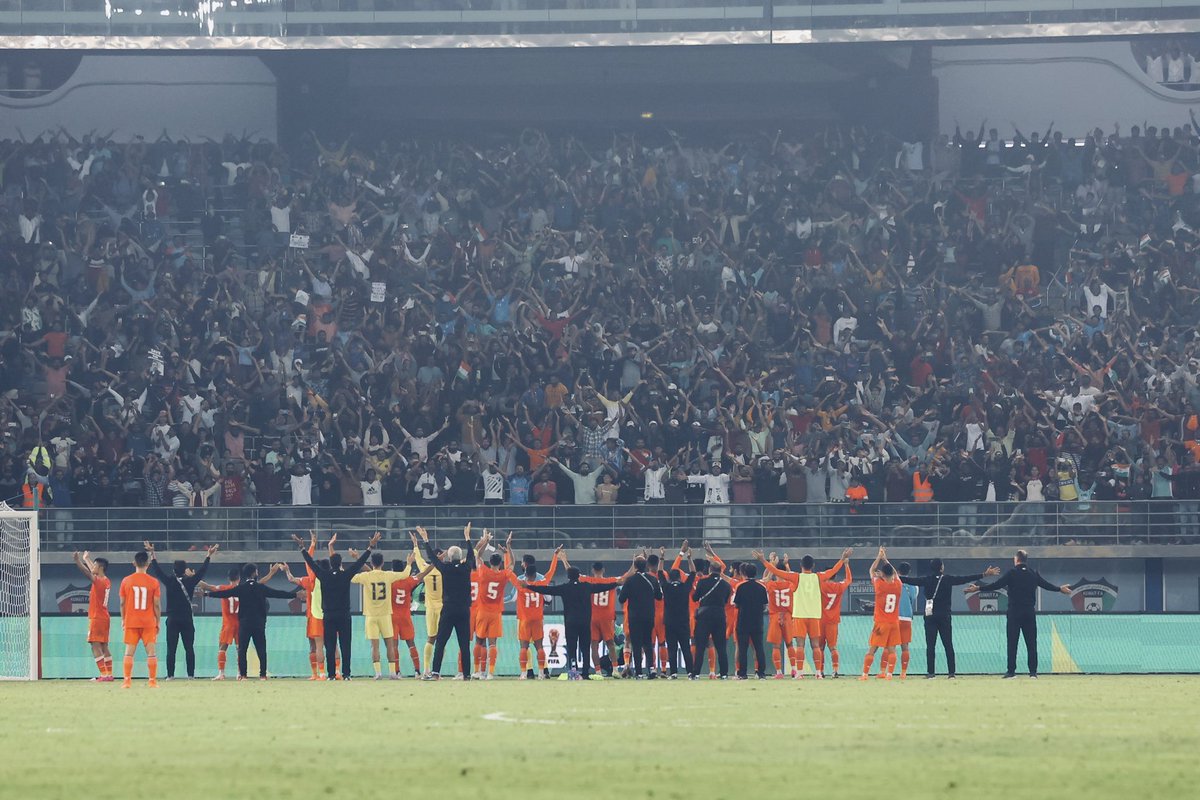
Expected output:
{"points": [[464, 370]]}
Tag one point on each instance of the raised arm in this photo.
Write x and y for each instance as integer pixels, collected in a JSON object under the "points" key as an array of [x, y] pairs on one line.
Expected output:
{"points": [[155, 569], [553, 564], [84, 564], [829, 573]]}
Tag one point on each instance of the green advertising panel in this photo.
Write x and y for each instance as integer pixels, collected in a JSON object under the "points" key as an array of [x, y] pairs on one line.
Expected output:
{"points": [[1067, 643]]}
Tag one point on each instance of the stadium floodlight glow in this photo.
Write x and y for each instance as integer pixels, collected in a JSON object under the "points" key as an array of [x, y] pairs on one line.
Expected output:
{"points": [[647, 115], [19, 573]]}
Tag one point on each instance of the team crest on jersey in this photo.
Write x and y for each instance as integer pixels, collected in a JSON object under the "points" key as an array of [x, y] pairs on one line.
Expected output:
{"points": [[1093, 596], [73, 599], [988, 602]]}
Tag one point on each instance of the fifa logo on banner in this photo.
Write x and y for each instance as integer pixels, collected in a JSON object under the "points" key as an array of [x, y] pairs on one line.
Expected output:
{"points": [[554, 646], [1093, 596], [988, 602]]}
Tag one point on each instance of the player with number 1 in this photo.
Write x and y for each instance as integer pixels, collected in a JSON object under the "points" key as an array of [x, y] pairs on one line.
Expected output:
{"points": [[141, 609], [376, 586]]}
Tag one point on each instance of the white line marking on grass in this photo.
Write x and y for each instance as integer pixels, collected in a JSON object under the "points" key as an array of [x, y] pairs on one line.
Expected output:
{"points": [[500, 716]]}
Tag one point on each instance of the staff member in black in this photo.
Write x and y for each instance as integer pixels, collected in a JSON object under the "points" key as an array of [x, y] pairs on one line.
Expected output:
{"points": [[456, 599], [712, 593], [335, 600], [677, 609], [1022, 584], [180, 585], [640, 591], [577, 615], [751, 601], [937, 587], [252, 613]]}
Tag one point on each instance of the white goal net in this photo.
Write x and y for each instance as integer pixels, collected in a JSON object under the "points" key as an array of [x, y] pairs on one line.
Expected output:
{"points": [[18, 594]]}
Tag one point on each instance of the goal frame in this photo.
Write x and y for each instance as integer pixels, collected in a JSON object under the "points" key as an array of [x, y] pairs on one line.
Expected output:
{"points": [[35, 573]]}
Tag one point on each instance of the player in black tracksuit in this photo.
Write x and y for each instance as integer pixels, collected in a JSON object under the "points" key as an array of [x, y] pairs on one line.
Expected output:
{"points": [[640, 591], [180, 585], [577, 615], [712, 593], [252, 615], [751, 601], [456, 600], [1022, 584], [335, 602], [677, 612]]}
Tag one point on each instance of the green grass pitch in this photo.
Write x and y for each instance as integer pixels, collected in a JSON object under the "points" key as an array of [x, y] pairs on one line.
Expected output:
{"points": [[1111, 736]]}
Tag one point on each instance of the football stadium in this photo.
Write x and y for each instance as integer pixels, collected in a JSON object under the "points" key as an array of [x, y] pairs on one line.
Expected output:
{"points": [[514, 398]]}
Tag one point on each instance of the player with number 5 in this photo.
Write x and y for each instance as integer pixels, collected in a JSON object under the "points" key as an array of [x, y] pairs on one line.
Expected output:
{"points": [[141, 609], [885, 632]]}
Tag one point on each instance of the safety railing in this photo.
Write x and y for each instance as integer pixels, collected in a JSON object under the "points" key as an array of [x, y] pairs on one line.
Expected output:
{"points": [[774, 526], [750, 18]]}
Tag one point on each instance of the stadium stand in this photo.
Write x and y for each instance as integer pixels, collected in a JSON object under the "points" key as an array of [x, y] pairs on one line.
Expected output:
{"points": [[831, 317]]}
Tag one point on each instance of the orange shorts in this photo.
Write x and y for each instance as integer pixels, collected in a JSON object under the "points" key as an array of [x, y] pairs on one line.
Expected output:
{"points": [[905, 631], [731, 616], [604, 630], [885, 634], [315, 629], [143, 635], [229, 634], [488, 625], [98, 628], [807, 629], [779, 628], [531, 630], [829, 632], [402, 627]]}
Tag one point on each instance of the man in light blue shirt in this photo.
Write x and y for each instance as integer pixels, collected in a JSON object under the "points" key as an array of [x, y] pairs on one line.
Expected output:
{"points": [[908, 603], [518, 488]]}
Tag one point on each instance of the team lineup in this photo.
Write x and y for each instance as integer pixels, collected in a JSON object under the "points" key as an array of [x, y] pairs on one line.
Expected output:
{"points": [[677, 618]]}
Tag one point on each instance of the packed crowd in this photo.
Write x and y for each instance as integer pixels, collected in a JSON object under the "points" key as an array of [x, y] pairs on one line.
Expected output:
{"points": [[839, 316]]}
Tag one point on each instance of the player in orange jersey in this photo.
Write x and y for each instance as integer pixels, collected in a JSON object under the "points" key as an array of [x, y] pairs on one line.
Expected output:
{"points": [[886, 630], [99, 620], [531, 610], [141, 610], [604, 617], [402, 621], [779, 622], [229, 618], [489, 605], [479, 654], [831, 614], [314, 628]]}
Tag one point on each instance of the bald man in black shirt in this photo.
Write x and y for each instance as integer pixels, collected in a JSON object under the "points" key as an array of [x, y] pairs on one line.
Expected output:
{"points": [[1022, 584]]}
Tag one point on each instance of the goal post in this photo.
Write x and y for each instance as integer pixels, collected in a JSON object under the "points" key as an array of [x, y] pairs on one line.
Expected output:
{"points": [[20, 568]]}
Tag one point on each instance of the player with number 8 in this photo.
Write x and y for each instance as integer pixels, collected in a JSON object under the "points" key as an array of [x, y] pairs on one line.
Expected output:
{"points": [[885, 632]]}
